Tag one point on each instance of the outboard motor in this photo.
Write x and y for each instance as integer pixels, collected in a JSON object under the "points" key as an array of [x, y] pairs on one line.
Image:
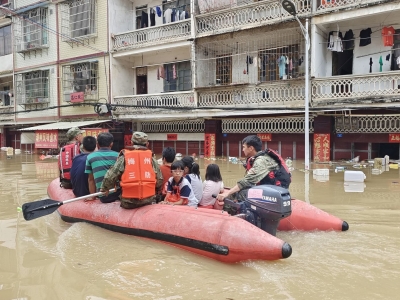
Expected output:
{"points": [[264, 207]]}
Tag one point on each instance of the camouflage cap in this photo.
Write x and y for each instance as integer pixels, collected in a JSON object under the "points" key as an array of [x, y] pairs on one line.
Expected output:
{"points": [[139, 138], [73, 132]]}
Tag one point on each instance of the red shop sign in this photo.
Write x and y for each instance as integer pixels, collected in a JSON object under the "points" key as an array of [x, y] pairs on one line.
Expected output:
{"points": [[172, 137], [394, 137], [265, 137], [209, 145], [46, 139], [93, 131], [77, 97]]}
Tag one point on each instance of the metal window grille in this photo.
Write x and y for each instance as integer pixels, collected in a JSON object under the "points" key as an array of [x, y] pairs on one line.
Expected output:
{"points": [[29, 30], [5, 40], [174, 126], [250, 57], [82, 77], [5, 91], [262, 125], [78, 19], [32, 87], [178, 77], [367, 124]]}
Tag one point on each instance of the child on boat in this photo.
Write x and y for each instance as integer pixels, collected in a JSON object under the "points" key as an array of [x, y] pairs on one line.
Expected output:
{"points": [[212, 185], [192, 174], [179, 190]]}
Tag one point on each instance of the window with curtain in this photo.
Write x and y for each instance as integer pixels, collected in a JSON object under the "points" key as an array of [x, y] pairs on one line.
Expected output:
{"points": [[178, 77], [31, 33]]}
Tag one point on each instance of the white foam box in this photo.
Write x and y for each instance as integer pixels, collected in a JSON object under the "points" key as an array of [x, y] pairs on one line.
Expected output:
{"points": [[354, 176], [321, 172]]}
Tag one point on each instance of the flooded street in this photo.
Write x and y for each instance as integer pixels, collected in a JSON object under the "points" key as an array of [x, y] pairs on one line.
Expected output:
{"points": [[49, 259]]}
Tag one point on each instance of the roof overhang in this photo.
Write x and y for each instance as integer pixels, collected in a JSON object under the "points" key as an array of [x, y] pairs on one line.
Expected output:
{"points": [[62, 125]]}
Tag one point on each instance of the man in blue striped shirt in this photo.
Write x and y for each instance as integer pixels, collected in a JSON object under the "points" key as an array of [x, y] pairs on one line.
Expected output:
{"points": [[98, 163]]}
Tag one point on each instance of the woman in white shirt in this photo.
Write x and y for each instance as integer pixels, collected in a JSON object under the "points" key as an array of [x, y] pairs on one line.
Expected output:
{"points": [[192, 174], [213, 185]]}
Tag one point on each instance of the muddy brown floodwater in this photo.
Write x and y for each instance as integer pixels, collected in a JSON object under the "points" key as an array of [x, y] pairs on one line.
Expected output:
{"points": [[49, 259]]}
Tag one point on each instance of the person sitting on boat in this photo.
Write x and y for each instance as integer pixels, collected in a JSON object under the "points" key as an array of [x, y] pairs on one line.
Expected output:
{"points": [[192, 174], [79, 179], [213, 185], [139, 174], [67, 154], [98, 163], [168, 157], [259, 166], [179, 190]]}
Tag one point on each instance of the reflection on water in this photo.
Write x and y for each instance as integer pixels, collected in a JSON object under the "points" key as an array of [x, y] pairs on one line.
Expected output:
{"points": [[49, 259]]}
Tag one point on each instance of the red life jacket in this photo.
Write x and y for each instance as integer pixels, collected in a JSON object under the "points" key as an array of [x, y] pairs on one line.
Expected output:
{"points": [[280, 177], [139, 179], [67, 154]]}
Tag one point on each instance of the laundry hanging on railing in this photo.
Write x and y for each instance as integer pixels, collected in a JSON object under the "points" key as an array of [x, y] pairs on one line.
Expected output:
{"points": [[335, 41], [365, 37], [387, 36], [348, 41]]}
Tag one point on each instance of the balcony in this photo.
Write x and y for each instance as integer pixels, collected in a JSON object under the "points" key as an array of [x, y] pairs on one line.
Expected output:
{"points": [[332, 5], [149, 103], [155, 35], [339, 89], [247, 16], [281, 94]]}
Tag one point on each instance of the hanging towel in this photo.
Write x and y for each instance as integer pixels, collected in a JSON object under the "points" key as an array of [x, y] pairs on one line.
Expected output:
{"points": [[167, 15], [380, 64]]}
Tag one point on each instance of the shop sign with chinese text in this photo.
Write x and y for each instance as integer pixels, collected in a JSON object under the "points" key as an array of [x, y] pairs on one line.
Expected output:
{"points": [[46, 139], [322, 147], [209, 145]]}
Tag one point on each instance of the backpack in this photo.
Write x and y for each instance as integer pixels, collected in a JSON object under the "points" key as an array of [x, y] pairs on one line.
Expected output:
{"points": [[280, 177]]}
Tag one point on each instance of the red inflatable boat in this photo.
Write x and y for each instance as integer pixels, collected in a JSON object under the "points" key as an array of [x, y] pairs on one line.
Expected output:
{"points": [[208, 232]]}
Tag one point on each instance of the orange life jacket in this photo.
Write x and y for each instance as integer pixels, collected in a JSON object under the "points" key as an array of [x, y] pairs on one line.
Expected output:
{"points": [[67, 154], [139, 179]]}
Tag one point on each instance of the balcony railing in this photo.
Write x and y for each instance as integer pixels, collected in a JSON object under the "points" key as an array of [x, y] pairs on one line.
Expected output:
{"points": [[330, 5], [252, 15], [153, 102], [155, 35], [280, 94], [356, 86]]}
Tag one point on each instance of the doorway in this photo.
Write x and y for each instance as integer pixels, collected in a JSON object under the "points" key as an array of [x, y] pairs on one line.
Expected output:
{"points": [[342, 64], [390, 149], [141, 84]]}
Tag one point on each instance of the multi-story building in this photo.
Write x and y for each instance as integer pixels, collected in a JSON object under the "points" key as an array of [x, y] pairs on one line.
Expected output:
{"points": [[6, 70], [247, 64], [201, 74]]}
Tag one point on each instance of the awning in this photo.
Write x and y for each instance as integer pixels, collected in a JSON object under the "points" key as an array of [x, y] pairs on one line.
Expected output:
{"points": [[63, 125]]}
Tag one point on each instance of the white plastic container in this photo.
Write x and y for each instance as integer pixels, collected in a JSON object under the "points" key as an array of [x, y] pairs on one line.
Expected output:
{"points": [[354, 187], [354, 176]]}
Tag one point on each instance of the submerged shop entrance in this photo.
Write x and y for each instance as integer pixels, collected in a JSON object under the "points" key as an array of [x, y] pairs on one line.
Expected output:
{"points": [[390, 149]]}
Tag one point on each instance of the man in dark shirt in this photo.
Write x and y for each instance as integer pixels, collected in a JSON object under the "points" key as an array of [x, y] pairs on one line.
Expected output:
{"points": [[79, 179]]}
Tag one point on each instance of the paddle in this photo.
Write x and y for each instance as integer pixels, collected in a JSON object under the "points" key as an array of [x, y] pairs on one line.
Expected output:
{"points": [[37, 209]]}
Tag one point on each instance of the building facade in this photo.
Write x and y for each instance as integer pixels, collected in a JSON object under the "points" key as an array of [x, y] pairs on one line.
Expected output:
{"points": [[200, 75]]}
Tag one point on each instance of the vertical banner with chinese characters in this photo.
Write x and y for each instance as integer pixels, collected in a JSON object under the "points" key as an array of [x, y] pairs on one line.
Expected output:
{"points": [[93, 131], [209, 145], [322, 147], [46, 139], [394, 137]]}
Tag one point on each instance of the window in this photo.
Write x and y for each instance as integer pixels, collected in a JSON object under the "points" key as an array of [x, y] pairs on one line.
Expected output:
{"points": [[224, 69], [5, 94], [30, 34], [279, 63], [33, 87], [79, 18], [81, 79], [5, 40], [180, 10], [178, 77]]}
